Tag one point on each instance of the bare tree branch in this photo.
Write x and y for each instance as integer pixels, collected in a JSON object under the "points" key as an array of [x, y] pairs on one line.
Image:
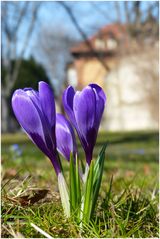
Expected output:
{"points": [[127, 15], [118, 11], [137, 12], [103, 12], [50, 40], [11, 25], [84, 36], [11, 78], [18, 23]]}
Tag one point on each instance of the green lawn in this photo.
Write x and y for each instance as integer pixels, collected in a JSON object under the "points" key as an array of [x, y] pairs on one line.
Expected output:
{"points": [[129, 210]]}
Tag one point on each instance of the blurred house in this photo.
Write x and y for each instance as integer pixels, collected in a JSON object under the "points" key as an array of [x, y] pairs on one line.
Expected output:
{"points": [[129, 76], [87, 67]]}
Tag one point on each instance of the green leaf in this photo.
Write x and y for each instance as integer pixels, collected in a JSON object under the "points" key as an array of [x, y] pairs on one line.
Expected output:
{"points": [[78, 188], [98, 172], [88, 194], [73, 190], [82, 166], [108, 194]]}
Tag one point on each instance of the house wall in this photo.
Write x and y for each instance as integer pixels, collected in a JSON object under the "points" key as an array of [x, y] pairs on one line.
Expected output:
{"points": [[92, 71], [132, 94], [131, 87]]}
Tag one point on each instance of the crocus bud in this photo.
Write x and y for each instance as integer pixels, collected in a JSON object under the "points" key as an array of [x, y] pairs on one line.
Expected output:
{"points": [[66, 141], [84, 109], [35, 112]]}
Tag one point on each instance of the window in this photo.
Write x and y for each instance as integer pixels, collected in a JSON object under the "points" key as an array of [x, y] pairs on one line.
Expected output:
{"points": [[72, 77], [111, 44], [100, 44]]}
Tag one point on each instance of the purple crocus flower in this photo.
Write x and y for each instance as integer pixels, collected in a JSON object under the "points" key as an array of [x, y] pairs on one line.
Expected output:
{"points": [[84, 109], [66, 141], [35, 111]]}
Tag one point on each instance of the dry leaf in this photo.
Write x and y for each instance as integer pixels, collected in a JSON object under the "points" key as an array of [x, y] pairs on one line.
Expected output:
{"points": [[10, 173], [28, 199]]}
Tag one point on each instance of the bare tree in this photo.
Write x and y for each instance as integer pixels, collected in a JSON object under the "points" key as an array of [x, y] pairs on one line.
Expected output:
{"points": [[141, 20], [127, 12], [140, 17], [138, 22], [53, 51], [118, 11], [14, 15], [83, 34]]}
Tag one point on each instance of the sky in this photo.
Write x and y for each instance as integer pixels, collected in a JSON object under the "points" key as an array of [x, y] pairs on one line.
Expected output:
{"points": [[91, 16]]}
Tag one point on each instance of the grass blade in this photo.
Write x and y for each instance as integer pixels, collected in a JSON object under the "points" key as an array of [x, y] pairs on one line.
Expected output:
{"points": [[98, 172], [73, 190], [88, 194], [78, 188]]}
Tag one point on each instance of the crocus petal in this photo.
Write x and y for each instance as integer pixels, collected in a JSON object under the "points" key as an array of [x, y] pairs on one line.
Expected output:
{"points": [[34, 96], [66, 142], [37, 124], [85, 110], [28, 117], [47, 102], [49, 131], [68, 96], [100, 104], [99, 91], [84, 107]]}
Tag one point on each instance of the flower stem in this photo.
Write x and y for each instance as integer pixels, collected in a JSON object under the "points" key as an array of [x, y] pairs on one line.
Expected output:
{"points": [[63, 190]]}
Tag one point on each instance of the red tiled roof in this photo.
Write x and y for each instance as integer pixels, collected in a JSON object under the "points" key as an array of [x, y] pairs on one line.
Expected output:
{"points": [[117, 30]]}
